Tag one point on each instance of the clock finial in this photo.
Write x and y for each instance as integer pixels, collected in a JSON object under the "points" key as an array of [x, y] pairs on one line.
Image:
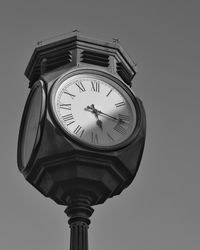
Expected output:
{"points": [[116, 40], [76, 31]]}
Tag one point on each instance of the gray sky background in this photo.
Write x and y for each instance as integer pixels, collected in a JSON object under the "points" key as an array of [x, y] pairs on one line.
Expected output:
{"points": [[161, 209]]}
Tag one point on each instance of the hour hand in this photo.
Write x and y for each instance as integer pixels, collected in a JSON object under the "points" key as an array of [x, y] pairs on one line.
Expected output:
{"points": [[95, 112], [99, 124]]}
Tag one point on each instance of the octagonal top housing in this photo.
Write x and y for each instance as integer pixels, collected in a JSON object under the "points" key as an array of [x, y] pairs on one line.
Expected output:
{"points": [[83, 51]]}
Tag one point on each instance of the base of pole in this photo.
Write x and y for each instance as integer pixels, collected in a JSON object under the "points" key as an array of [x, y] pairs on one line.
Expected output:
{"points": [[79, 211]]}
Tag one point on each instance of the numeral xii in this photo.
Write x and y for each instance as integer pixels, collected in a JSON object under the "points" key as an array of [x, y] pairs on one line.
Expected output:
{"points": [[95, 86]]}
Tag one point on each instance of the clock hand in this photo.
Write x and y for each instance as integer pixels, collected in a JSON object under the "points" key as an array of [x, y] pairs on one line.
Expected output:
{"points": [[98, 112], [112, 117], [99, 124], [94, 111]]}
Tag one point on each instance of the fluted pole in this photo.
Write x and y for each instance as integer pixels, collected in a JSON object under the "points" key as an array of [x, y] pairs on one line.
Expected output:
{"points": [[79, 212]]}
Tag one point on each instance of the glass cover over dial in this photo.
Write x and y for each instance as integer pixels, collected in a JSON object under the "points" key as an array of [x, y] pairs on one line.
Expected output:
{"points": [[30, 129], [94, 109]]}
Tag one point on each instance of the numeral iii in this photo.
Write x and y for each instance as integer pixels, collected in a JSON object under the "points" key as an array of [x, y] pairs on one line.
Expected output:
{"points": [[119, 104]]}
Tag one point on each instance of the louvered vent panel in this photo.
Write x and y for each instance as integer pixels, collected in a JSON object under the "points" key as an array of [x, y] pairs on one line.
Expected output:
{"points": [[125, 74], [95, 58], [57, 59]]}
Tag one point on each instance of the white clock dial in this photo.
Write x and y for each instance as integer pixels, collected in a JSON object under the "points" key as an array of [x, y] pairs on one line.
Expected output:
{"points": [[94, 109]]}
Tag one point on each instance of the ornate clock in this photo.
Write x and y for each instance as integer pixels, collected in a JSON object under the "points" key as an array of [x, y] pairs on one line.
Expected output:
{"points": [[95, 109], [83, 129]]}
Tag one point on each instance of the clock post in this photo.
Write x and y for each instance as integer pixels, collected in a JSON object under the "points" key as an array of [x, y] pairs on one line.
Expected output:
{"points": [[83, 129]]}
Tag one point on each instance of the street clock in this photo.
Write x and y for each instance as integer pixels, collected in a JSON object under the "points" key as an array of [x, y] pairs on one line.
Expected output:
{"points": [[83, 129]]}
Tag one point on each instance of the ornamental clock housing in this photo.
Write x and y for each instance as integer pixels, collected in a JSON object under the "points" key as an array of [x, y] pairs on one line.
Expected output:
{"points": [[83, 129]]}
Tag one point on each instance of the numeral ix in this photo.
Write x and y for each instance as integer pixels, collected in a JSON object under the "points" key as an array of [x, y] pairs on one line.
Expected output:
{"points": [[68, 118]]}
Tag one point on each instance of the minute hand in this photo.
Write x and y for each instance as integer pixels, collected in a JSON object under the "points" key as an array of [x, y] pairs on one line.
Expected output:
{"points": [[112, 117], [99, 112], [102, 113]]}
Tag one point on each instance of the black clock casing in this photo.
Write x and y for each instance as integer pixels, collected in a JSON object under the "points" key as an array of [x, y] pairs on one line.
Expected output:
{"points": [[62, 167]]}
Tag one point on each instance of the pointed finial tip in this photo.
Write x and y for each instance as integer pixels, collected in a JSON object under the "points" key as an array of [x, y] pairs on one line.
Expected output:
{"points": [[39, 43], [75, 31], [115, 40]]}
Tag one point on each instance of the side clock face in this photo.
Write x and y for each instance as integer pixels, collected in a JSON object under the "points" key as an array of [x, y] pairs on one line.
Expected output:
{"points": [[31, 125], [96, 110]]}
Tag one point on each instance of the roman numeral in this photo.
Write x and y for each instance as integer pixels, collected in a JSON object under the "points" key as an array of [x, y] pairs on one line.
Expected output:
{"points": [[68, 118], [109, 92], [71, 95], [120, 129], [109, 136], [80, 86], [65, 106], [79, 131], [124, 118], [95, 86], [94, 138], [119, 104]]}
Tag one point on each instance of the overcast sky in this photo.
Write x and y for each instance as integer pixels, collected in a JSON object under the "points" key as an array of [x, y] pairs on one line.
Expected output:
{"points": [[160, 210]]}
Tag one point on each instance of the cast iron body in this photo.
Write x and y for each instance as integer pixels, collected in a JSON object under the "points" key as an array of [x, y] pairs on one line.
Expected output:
{"points": [[69, 173]]}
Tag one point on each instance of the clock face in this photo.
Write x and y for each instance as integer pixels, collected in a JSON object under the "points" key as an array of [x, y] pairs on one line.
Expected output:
{"points": [[30, 129], [94, 109]]}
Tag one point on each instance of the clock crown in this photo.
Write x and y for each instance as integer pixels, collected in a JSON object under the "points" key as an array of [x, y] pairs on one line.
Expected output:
{"points": [[83, 51]]}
